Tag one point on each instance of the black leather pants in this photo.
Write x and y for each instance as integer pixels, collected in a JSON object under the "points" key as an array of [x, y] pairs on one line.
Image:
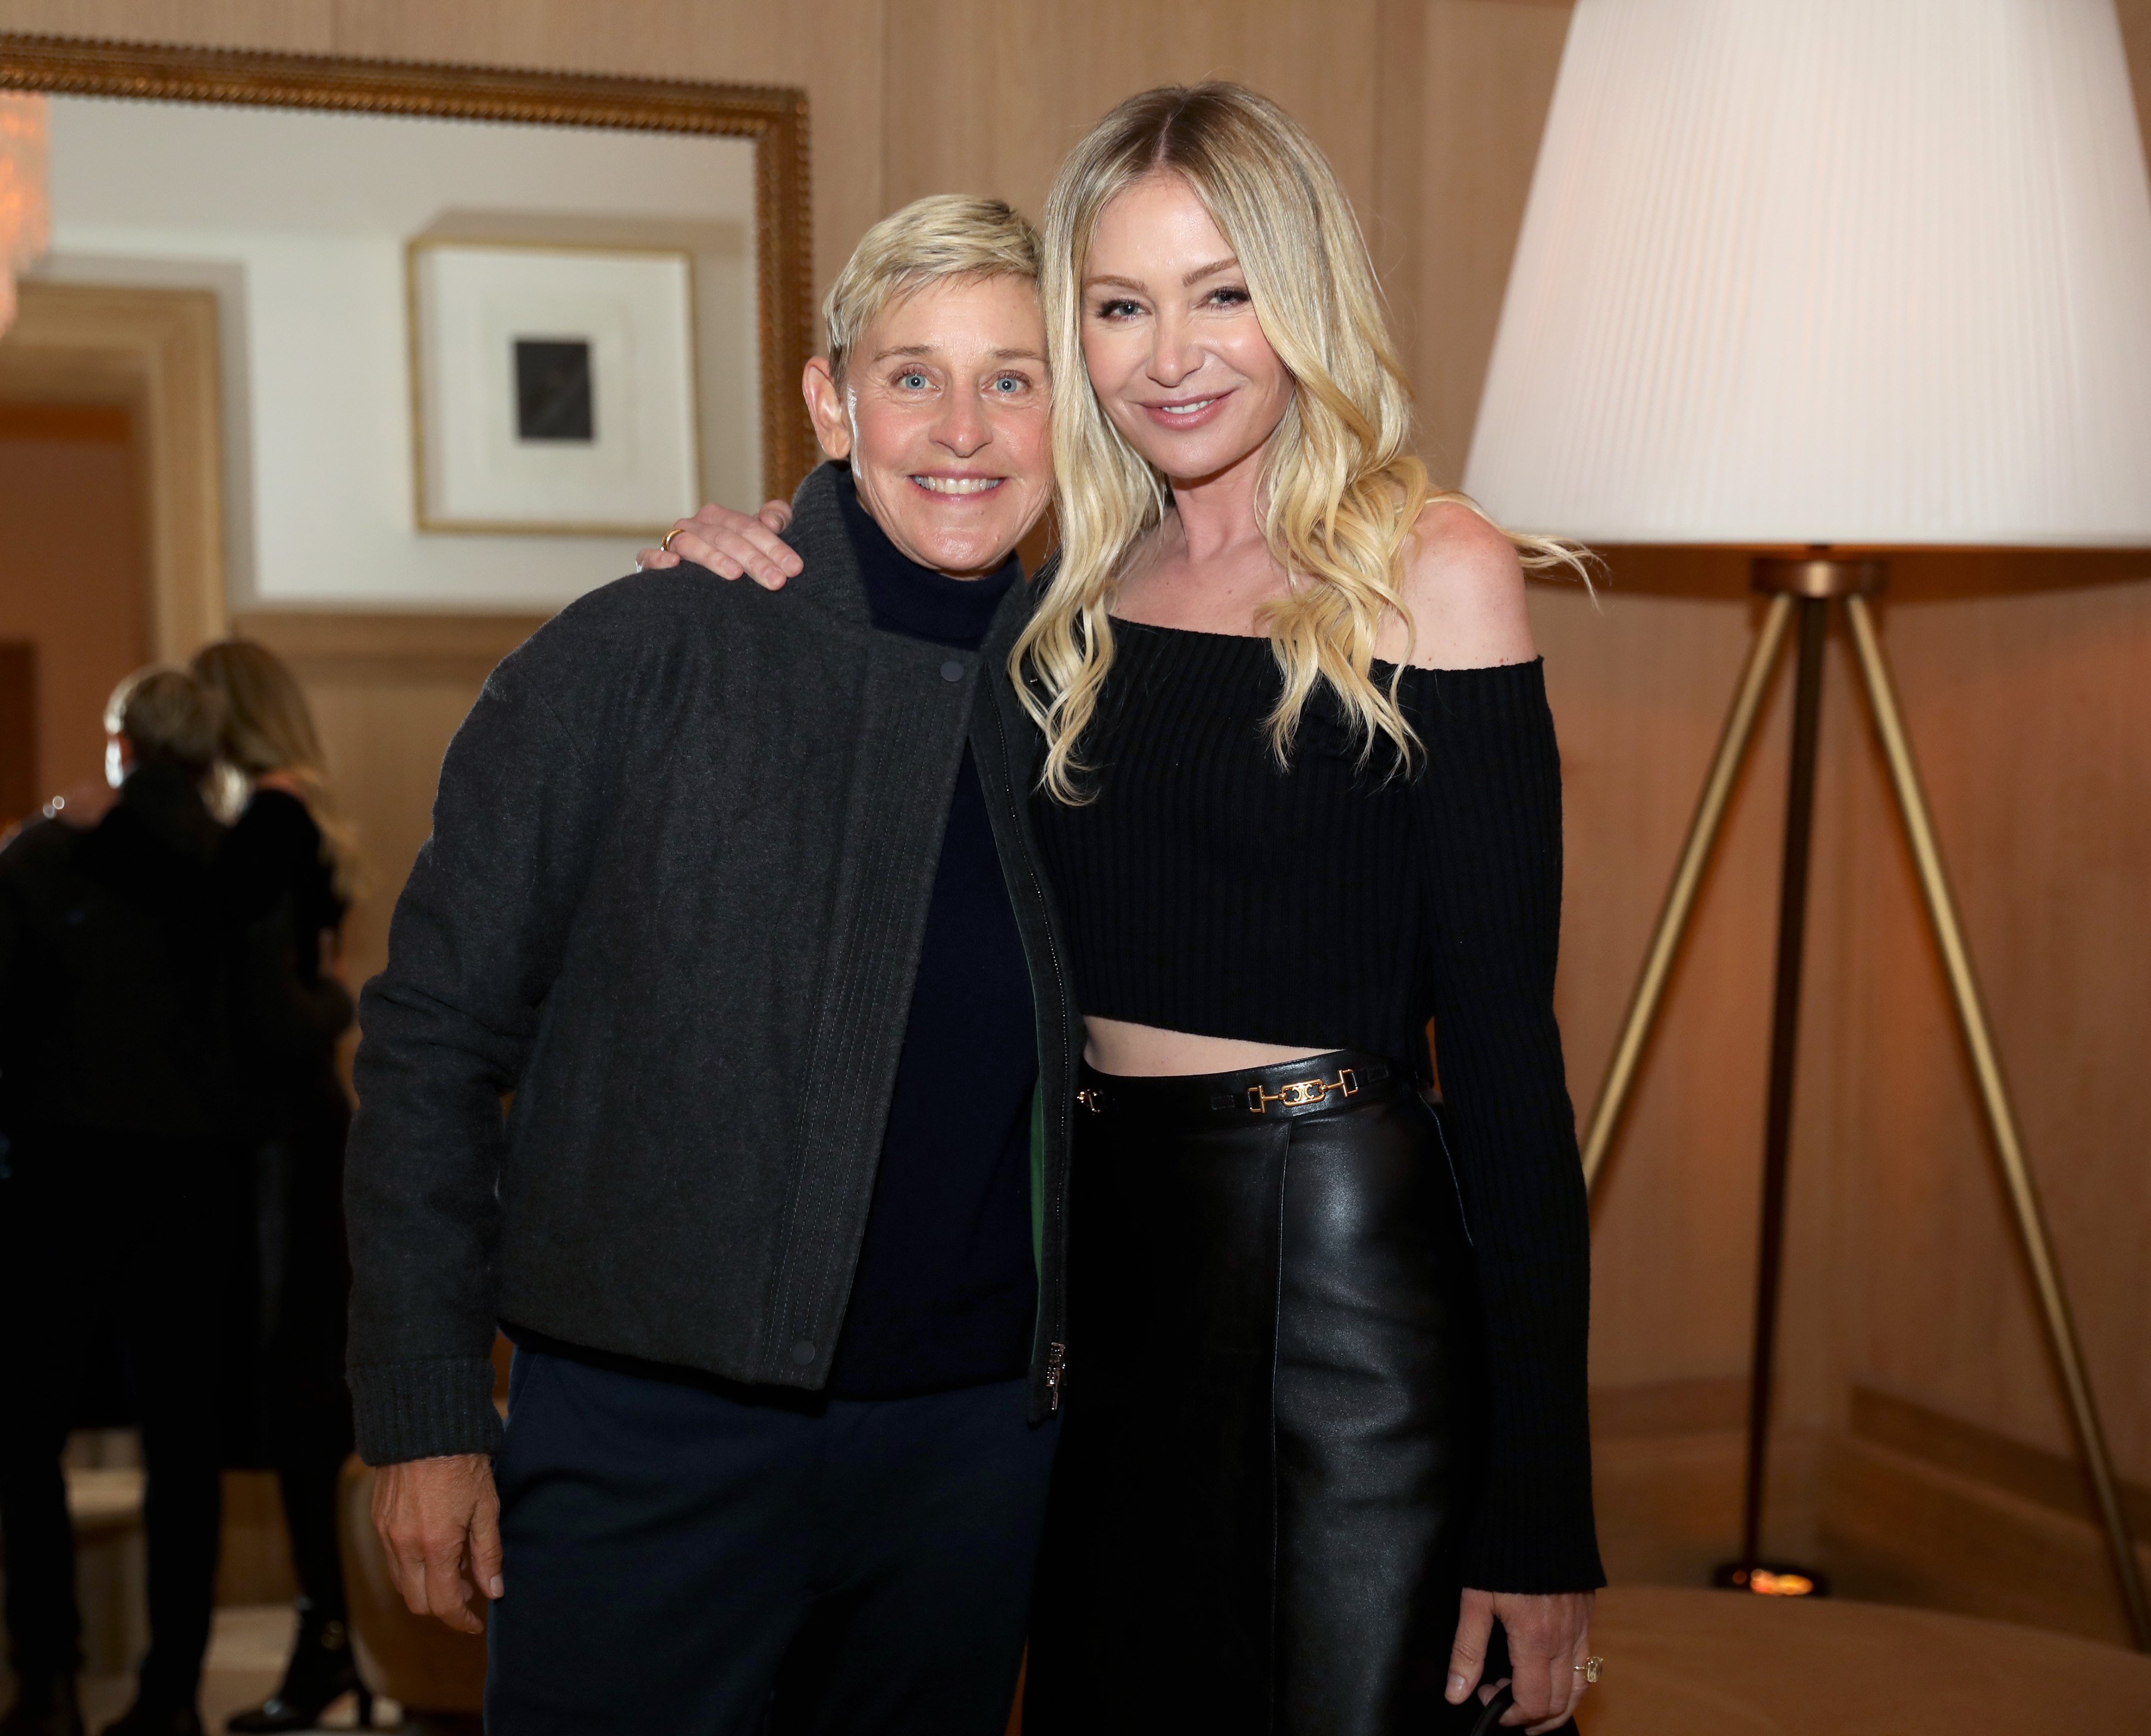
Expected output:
{"points": [[1270, 1435]]}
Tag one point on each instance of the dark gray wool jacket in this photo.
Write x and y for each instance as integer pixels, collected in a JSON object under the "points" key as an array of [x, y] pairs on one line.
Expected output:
{"points": [[674, 901]]}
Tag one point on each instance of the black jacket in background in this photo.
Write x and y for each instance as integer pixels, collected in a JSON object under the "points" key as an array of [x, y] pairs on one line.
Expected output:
{"points": [[285, 1401], [281, 898], [681, 859], [115, 972]]}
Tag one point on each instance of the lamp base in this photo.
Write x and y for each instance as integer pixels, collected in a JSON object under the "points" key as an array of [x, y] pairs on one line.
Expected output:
{"points": [[1817, 576], [1770, 1579]]}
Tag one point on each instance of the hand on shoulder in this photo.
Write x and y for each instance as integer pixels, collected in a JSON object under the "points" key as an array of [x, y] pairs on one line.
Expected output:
{"points": [[1464, 587], [731, 544]]}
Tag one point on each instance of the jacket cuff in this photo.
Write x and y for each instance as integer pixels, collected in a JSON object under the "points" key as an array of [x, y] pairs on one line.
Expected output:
{"points": [[424, 1410], [1535, 1535]]}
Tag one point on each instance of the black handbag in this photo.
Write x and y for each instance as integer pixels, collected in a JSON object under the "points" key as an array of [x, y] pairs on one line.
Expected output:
{"points": [[1490, 1715]]}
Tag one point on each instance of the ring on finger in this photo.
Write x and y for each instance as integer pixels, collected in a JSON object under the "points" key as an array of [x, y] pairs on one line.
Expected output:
{"points": [[666, 545], [1589, 1669]]}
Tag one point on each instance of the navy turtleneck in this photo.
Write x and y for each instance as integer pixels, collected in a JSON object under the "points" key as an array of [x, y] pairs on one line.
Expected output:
{"points": [[946, 1293]]}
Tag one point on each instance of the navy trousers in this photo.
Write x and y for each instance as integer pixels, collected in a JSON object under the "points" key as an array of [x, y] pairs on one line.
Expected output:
{"points": [[688, 1555]]}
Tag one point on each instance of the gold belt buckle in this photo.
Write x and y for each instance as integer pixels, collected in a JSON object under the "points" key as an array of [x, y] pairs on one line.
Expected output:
{"points": [[1300, 1092]]}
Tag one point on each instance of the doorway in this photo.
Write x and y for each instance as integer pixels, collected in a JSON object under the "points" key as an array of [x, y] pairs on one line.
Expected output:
{"points": [[74, 591]]}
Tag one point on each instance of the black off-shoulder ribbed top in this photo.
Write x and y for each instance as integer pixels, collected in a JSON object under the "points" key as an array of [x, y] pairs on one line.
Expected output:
{"points": [[1336, 905]]}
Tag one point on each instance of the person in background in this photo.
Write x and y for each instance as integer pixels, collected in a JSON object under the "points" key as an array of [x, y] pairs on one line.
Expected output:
{"points": [[117, 1118], [286, 870]]}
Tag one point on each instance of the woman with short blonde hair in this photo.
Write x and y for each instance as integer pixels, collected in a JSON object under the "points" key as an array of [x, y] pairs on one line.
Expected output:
{"points": [[1299, 795]]}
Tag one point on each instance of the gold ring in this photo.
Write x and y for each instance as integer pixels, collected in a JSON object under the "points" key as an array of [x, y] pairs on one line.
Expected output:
{"points": [[666, 545], [1589, 1669]]}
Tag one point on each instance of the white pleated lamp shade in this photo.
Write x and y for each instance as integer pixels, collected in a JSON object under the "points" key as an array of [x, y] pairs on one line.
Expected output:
{"points": [[1858, 272]]}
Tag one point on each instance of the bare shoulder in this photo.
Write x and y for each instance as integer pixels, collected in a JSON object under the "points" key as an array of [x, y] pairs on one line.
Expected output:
{"points": [[1464, 587]]}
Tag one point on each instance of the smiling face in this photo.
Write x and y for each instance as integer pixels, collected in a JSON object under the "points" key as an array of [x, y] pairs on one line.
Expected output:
{"points": [[1174, 352], [943, 413]]}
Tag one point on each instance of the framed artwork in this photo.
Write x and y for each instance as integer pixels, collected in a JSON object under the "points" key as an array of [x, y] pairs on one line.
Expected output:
{"points": [[552, 389]]}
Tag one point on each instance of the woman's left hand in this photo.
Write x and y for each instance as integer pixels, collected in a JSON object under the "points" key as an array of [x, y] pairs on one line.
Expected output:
{"points": [[1549, 1639]]}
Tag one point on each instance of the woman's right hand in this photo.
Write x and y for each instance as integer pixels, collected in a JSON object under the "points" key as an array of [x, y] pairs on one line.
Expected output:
{"points": [[731, 545]]}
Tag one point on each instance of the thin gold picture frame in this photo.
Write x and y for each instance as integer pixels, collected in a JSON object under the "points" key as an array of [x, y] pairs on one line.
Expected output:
{"points": [[421, 496], [774, 117]]}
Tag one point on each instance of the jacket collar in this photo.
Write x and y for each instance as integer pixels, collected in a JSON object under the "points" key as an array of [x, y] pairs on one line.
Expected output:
{"points": [[164, 802], [818, 535]]}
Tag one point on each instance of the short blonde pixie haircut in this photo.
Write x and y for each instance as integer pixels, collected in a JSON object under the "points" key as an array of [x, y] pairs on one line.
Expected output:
{"points": [[944, 235]]}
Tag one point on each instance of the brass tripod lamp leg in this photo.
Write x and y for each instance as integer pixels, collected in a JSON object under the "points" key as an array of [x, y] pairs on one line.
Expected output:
{"points": [[1637, 1025], [2001, 1116]]}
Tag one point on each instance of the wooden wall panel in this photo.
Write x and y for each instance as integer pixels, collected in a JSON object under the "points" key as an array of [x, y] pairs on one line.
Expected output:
{"points": [[1464, 126], [1037, 77], [298, 27], [1635, 682], [2030, 712], [388, 691]]}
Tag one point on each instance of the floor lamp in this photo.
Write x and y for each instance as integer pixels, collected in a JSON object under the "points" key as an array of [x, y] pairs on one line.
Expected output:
{"points": [[1822, 280]]}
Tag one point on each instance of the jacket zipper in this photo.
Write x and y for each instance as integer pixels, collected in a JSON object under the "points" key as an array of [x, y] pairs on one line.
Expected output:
{"points": [[1056, 1353]]}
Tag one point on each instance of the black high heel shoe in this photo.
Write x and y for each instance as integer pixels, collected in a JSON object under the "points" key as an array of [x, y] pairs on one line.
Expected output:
{"points": [[321, 1672]]}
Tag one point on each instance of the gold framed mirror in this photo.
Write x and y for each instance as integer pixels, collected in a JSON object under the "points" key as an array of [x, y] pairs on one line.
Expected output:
{"points": [[773, 120], [264, 476]]}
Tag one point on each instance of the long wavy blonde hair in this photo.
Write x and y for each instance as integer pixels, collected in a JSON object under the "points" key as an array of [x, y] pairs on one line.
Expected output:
{"points": [[268, 727], [1340, 492]]}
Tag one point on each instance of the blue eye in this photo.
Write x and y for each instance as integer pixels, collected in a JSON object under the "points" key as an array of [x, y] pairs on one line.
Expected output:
{"points": [[1009, 383], [912, 379]]}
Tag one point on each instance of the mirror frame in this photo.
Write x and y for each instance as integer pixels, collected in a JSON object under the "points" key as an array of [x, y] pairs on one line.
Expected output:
{"points": [[773, 116]]}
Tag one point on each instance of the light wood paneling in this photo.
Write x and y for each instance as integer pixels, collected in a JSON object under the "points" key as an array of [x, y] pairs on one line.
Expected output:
{"points": [[1900, 1529], [1986, 1456], [1464, 130], [300, 27], [1035, 78], [388, 691], [2029, 714]]}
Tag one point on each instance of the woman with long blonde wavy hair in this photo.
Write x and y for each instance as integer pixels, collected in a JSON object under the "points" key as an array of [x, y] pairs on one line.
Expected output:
{"points": [[289, 869], [1325, 1464]]}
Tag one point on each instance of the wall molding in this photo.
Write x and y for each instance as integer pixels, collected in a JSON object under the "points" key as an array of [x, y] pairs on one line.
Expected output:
{"points": [[2047, 1479], [350, 641]]}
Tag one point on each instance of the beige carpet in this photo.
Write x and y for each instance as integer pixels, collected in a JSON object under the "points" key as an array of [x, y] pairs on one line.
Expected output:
{"points": [[1712, 1664], [1677, 1664], [246, 1662]]}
